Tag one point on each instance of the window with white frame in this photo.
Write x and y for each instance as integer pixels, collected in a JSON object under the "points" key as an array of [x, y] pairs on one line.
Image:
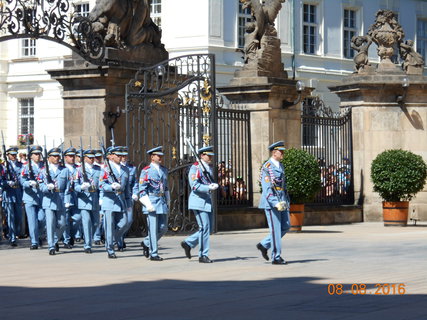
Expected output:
{"points": [[310, 28], [422, 38], [350, 30], [28, 47], [82, 9], [244, 16], [26, 116], [156, 12]]}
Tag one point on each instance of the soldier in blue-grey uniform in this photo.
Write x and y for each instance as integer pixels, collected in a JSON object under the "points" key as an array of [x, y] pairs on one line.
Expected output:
{"points": [[155, 197], [12, 194], [98, 235], [275, 202], [86, 183], [55, 195], [200, 201], [114, 187], [133, 189], [32, 196]]}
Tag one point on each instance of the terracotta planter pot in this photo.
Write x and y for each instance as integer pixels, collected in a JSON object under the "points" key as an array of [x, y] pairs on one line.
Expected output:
{"points": [[395, 213], [296, 213]]}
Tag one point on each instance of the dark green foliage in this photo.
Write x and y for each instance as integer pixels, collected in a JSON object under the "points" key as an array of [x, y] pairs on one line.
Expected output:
{"points": [[302, 175], [398, 175]]}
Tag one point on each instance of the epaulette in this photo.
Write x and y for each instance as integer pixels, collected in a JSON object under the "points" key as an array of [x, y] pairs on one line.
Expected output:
{"points": [[146, 168], [267, 165], [196, 163], [25, 163]]}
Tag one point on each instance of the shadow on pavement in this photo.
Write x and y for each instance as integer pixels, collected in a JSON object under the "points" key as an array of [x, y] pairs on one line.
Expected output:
{"points": [[283, 298]]}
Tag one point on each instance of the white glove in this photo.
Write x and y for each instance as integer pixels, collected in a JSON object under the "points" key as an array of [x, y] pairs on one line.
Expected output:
{"points": [[33, 184], [134, 197], [67, 205], [281, 206], [85, 186], [145, 200], [100, 202], [50, 186], [11, 183], [213, 186], [116, 186]]}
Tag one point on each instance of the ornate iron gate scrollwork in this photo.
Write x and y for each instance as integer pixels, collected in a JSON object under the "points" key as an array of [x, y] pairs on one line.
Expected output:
{"points": [[165, 104]]}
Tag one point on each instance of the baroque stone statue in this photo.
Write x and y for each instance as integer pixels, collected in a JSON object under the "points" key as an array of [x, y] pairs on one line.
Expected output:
{"points": [[361, 45], [413, 62], [262, 47], [125, 23]]}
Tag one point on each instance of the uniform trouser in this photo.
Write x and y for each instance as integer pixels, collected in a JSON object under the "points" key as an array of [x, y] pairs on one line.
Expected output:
{"points": [[55, 224], [115, 223], [73, 224], [279, 224], [129, 215], [36, 220], [157, 228], [201, 237], [90, 221], [100, 228], [14, 216]]}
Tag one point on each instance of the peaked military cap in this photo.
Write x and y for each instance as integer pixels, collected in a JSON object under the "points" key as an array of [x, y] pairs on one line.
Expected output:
{"points": [[97, 152], [117, 151], [157, 150], [279, 145], [209, 150], [89, 153], [36, 149], [125, 150], [54, 152], [12, 150], [71, 151]]}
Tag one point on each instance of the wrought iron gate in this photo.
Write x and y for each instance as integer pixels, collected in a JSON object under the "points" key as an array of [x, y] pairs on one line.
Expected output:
{"points": [[166, 104], [327, 136]]}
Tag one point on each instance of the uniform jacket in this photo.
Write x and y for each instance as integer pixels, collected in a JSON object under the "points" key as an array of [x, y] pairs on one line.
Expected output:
{"points": [[272, 195], [56, 198], [200, 196], [12, 194], [87, 199], [114, 200], [154, 184], [32, 196], [73, 196]]}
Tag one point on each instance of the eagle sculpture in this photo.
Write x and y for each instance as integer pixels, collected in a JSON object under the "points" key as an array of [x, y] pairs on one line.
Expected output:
{"points": [[263, 15]]}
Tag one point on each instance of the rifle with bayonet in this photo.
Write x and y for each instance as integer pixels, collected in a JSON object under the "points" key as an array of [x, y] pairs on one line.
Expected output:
{"points": [[61, 146], [46, 163], [104, 156], [30, 166], [9, 175], [83, 165]]}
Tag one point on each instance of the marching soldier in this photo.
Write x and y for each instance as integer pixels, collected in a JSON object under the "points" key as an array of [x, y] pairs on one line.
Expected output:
{"points": [[98, 235], [32, 197], [133, 189], [12, 194], [154, 195], [200, 202], [114, 187], [86, 184], [72, 214], [55, 186], [275, 202]]}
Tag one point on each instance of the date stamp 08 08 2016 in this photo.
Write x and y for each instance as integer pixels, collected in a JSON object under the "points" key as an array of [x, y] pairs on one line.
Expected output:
{"points": [[362, 289]]}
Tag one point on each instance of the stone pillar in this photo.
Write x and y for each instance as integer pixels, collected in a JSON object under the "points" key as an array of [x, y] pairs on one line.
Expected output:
{"points": [[92, 94], [269, 122], [379, 123]]}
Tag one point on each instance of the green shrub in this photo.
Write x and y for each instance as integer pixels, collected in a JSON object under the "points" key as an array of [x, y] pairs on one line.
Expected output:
{"points": [[398, 175], [302, 175]]}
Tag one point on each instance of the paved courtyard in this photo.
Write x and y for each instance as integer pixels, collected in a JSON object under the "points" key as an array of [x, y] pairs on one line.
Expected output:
{"points": [[239, 285]]}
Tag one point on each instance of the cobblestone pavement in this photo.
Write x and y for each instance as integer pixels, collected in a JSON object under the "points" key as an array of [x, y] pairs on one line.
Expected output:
{"points": [[389, 264]]}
